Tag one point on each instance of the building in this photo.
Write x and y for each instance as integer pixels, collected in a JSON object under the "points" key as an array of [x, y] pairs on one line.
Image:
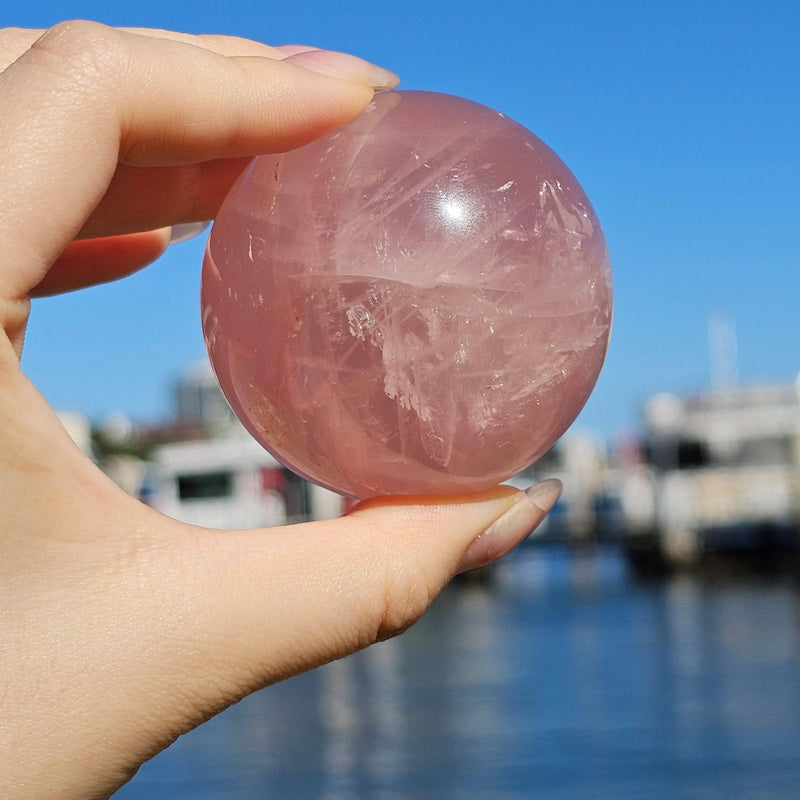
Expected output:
{"points": [[231, 482], [719, 471], [216, 475]]}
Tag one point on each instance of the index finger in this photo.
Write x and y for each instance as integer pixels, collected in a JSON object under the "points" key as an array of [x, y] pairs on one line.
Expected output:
{"points": [[85, 97], [15, 41]]}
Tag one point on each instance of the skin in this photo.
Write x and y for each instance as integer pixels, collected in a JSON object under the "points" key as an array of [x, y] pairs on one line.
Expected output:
{"points": [[120, 628]]}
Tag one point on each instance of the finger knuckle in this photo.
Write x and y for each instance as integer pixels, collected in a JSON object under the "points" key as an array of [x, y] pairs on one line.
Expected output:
{"points": [[407, 594], [85, 53]]}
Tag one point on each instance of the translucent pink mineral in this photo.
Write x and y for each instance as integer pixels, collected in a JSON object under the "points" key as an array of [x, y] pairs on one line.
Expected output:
{"points": [[420, 302]]}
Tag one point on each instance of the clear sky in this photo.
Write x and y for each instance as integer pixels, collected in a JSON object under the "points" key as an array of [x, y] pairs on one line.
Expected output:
{"points": [[681, 119]]}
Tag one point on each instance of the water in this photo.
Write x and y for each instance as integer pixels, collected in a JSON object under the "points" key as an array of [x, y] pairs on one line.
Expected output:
{"points": [[563, 678]]}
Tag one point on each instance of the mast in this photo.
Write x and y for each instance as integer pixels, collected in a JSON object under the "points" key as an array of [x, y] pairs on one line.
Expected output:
{"points": [[723, 351]]}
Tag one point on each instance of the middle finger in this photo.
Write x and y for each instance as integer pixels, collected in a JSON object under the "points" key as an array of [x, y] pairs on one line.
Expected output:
{"points": [[15, 41]]}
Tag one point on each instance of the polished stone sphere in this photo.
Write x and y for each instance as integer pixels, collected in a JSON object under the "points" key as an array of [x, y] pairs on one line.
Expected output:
{"points": [[417, 303]]}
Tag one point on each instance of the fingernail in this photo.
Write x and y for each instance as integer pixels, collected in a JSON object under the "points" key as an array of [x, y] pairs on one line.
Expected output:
{"points": [[343, 65], [186, 230], [512, 527], [294, 49]]}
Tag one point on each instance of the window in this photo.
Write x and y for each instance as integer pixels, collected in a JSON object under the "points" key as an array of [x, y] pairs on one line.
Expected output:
{"points": [[677, 453], [205, 486]]}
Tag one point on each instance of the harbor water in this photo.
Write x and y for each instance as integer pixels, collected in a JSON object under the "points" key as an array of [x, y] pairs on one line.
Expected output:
{"points": [[563, 676]]}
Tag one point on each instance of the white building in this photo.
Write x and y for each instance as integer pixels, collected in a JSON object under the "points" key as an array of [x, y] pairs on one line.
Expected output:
{"points": [[721, 471], [231, 482], [226, 479]]}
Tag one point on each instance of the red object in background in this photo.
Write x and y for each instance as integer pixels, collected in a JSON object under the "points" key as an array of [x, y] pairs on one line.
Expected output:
{"points": [[273, 480]]}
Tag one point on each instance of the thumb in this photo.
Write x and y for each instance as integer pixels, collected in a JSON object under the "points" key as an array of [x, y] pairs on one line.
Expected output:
{"points": [[150, 626], [278, 602]]}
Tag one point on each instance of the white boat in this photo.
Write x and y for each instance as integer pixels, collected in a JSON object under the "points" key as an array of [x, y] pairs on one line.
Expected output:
{"points": [[719, 471]]}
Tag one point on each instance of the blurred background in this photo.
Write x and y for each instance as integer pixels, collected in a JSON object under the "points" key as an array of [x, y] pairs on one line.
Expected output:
{"points": [[647, 641]]}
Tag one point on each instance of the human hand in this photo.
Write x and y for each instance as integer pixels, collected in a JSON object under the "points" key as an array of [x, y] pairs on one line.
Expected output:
{"points": [[120, 628]]}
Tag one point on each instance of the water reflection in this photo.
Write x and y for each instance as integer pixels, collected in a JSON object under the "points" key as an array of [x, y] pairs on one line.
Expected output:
{"points": [[563, 679]]}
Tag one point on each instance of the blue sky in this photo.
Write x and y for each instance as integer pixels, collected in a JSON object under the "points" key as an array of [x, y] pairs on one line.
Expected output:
{"points": [[680, 119]]}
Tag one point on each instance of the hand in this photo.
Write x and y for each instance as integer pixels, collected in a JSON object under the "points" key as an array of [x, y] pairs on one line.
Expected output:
{"points": [[120, 628]]}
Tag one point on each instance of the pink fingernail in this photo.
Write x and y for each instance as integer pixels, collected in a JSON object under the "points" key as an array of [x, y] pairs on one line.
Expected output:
{"points": [[345, 66], [512, 527]]}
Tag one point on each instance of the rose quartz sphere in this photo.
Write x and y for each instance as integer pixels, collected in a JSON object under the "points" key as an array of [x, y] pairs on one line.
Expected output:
{"points": [[417, 303]]}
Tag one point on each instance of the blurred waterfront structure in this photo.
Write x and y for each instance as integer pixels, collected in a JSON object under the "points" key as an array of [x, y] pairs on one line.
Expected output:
{"points": [[217, 475], [230, 481], [200, 466], [589, 510], [713, 472], [222, 477]]}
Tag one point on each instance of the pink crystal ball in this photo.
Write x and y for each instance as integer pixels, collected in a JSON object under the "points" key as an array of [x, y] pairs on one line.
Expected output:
{"points": [[417, 303]]}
